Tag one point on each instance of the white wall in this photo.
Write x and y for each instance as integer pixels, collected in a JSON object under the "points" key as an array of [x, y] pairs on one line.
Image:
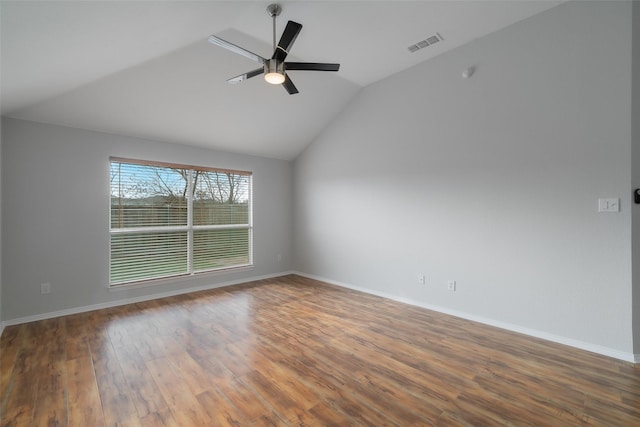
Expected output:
{"points": [[491, 181], [56, 215]]}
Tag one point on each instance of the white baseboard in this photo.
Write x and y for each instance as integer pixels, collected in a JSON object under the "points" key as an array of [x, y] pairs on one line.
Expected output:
{"points": [[594, 348], [84, 309]]}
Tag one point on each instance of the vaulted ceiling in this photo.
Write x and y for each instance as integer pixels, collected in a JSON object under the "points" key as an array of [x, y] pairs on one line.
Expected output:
{"points": [[145, 68]]}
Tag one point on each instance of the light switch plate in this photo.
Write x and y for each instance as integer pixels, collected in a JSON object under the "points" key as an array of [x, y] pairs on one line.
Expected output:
{"points": [[609, 205]]}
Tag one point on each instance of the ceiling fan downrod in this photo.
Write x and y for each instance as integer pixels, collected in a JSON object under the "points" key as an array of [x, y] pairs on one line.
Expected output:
{"points": [[274, 10]]}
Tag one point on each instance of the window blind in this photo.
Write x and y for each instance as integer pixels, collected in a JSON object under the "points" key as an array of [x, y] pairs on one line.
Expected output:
{"points": [[169, 220]]}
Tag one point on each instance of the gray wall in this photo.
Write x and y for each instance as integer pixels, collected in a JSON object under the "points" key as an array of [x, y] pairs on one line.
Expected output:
{"points": [[491, 181], [1, 226], [56, 215], [635, 159]]}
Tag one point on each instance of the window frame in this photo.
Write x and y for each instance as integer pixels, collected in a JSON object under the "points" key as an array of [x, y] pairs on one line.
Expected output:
{"points": [[189, 228]]}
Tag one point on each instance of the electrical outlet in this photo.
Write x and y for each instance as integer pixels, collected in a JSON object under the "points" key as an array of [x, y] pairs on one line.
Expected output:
{"points": [[279, 257], [422, 279], [451, 285], [45, 288]]}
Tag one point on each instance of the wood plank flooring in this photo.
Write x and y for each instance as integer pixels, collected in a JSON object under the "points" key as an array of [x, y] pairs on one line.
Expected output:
{"points": [[295, 352]]}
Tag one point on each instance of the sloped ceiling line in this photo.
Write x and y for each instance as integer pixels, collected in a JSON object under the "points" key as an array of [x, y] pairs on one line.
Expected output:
{"points": [[145, 69]]}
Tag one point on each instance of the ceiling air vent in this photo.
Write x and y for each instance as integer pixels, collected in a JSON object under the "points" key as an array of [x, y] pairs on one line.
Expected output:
{"points": [[426, 42]]}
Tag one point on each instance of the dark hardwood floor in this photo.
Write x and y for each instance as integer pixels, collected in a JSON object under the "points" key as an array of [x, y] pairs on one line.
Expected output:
{"points": [[295, 352]]}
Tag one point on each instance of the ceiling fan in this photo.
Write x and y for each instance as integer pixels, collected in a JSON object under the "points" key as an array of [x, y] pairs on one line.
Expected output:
{"points": [[275, 69]]}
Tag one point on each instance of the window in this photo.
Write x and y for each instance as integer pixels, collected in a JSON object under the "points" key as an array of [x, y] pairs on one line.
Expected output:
{"points": [[173, 220]]}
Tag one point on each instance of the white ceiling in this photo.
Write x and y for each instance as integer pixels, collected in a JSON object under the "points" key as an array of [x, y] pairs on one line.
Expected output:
{"points": [[145, 68]]}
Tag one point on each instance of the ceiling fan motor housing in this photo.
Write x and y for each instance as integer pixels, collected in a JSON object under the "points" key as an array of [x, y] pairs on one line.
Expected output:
{"points": [[273, 66]]}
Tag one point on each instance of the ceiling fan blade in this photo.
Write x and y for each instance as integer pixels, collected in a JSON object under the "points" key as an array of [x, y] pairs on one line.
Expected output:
{"points": [[237, 49], [289, 35], [245, 76], [289, 86], [311, 66]]}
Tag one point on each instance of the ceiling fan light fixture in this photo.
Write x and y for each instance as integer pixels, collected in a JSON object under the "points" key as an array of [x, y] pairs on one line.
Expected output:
{"points": [[274, 78], [274, 71]]}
